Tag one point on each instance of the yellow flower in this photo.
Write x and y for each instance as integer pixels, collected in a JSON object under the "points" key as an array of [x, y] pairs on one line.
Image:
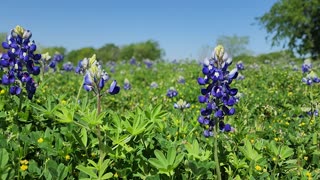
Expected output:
{"points": [[290, 93], [252, 141], [19, 30], [67, 157], [23, 167], [308, 174], [115, 175], [305, 158], [258, 168], [40, 140], [2, 91], [25, 162], [63, 102]]}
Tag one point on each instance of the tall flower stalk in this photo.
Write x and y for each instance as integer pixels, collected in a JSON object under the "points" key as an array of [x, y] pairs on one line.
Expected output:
{"points": [[218, 97], [94, 81], [18, 63]]}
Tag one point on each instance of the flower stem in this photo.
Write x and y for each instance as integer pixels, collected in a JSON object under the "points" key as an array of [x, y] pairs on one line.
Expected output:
{"points": [[98, 126], [79, 91], [216, 159]]}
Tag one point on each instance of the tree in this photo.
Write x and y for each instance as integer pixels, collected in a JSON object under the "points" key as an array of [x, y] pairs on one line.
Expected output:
{"points": [[143, 50], [234, 45], [108, 52], [295, 23], [76, 55]]}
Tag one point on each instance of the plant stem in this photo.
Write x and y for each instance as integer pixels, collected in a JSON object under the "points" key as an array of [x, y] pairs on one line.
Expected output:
{"points": [[216, 159], [98, 126], [79, 91]]}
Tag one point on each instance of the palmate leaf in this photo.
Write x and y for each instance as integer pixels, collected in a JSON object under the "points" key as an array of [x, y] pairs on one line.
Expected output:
{"points": [[250, 153], [166, 165]]}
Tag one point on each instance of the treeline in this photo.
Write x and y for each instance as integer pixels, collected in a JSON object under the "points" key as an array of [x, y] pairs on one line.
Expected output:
{"points": [[149, 49]]}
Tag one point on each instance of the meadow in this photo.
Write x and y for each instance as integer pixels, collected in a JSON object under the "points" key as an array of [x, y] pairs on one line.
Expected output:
{"points": [[140, 132]]}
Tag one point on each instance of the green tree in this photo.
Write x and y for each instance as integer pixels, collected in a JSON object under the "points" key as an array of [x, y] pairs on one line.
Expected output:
{"points": [[143, 50], [147, 50], [234, 45], [108, 52], [296, 24], [76, 55]]}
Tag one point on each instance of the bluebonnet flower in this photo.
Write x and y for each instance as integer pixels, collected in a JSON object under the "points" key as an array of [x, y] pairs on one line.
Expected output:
{"points": [[127, 85], [172, 92], [314, 113], [181, 80], [67, 66], [148, 63], [56, 59], [154, 85], [218, 96], [133, 61], [181, 104], [82, 66], [306, 66], [311, 78], [19, 62], [240, 65], [95, 78]]}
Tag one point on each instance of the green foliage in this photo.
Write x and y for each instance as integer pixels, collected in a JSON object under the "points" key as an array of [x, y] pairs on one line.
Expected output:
{"points": [[108, 52], [142, 134], [234, 45], [297, 23], [53, 50], [75, 56], [144, 50]]}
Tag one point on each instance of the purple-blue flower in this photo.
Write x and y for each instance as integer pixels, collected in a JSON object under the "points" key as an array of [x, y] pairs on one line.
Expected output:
{"points": [[217, 94], [19, 61], [172, 92], [240, 65]]}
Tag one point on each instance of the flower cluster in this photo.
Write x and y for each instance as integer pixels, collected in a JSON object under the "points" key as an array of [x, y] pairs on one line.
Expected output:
{"points": [[181, 104], [240, 65], [95, 78], [172, 92], [67, 66], [56, 59], [306, 66], [127, 85], [311, 76], [19, 62], [181, 80], [218, 96]]}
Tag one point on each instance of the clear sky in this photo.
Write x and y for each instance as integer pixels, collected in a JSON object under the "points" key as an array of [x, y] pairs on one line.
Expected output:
{"points": [[180, 27]]}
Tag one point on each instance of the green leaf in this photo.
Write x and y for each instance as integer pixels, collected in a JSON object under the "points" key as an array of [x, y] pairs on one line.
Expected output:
{"points": [[62, 171], [171, 156], [286, 152], [87, 170], [107, 176], [156, 163], [178, 159], [4, 158], [162, 159], [84, 136]]}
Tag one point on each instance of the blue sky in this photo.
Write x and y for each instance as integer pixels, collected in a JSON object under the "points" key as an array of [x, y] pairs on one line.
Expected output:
{"points": [[182, 28]]}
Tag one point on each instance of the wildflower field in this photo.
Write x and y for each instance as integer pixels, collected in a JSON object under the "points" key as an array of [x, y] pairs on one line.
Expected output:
{"points": [[223, 118]]}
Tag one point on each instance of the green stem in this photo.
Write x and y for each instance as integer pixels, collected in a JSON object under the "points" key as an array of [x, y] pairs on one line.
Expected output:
{"points": [[98, 126], [79, 91], [216, 159]]}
